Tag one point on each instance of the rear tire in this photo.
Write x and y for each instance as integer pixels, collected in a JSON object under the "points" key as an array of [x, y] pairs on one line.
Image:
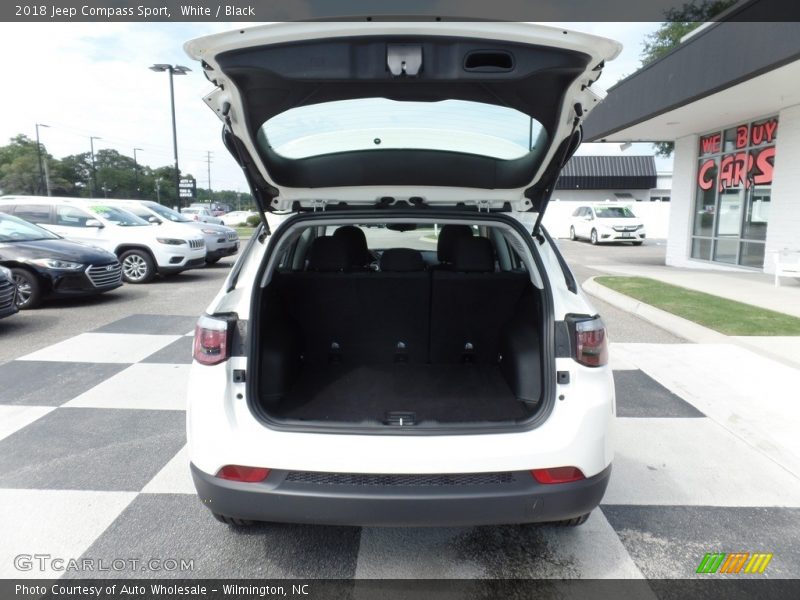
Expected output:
{"points": [[572, 235], [575, 522], [233, 521], [593, 237], [137, 266], [29, 291]]}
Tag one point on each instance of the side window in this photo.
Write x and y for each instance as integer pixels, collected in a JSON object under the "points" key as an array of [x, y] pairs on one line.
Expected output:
{"points": [[69, 216], [33, 213], [577, 212]]}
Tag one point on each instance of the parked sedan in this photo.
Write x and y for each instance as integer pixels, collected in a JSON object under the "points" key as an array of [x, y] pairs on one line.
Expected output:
{"points": [[237, 217], [8, 293], [221, 241], [44, 265], [600, 223], [195, 213]]}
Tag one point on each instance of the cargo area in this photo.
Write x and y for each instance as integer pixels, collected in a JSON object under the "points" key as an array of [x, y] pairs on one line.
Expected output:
{"points": [[403, 343]]}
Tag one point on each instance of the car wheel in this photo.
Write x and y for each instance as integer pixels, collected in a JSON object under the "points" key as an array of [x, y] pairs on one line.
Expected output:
{"points": [[575, 522], [593, 237], [637, 243], [213, 261], [233, 521], [29, 291], [572, 235], [137, 266]]}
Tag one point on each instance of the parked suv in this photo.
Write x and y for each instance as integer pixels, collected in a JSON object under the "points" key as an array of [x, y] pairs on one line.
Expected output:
{"points": [[143, 250], [444, 368], [45, 265], [602, 223], [220, 241]]}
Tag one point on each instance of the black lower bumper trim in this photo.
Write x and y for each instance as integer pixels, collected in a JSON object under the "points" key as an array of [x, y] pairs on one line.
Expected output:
{"points": [[520, 500]]}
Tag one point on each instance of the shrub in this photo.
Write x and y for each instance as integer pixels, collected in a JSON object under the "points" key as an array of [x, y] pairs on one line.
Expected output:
{"points": [[253, 220]]}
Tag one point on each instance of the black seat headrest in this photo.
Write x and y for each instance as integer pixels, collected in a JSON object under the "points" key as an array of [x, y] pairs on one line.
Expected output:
{"points": [[402, 260], [327, 254], [447, 239], [474, 255], [356, 243]]}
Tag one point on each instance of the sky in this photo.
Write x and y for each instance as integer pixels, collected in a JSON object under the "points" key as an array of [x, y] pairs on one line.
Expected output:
{"points": [[92, 79]]}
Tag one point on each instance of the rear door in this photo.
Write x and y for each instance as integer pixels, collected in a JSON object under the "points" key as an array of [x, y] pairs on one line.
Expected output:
{"points": [[420, 106]]}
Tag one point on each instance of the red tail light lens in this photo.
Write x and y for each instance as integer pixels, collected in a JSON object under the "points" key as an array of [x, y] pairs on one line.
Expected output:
{"points": [[558, 475], [591, 343], [211, 341], [243, 474]]}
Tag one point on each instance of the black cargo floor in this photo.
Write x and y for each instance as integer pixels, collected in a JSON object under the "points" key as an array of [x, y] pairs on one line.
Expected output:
{"points": [[444, 393]]}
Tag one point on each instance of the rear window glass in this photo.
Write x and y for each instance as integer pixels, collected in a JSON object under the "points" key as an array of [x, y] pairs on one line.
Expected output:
{"points": [[417, 237], [379, 123]]}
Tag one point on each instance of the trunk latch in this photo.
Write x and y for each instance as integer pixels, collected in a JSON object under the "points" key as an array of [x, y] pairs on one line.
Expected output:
{"points": [[400, 418], [404, 59]]}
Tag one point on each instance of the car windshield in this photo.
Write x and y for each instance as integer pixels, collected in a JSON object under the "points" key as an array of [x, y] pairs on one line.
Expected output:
{"points": [[614, 212], [117, 216], [380, 123], [13, 229], [167, 213]]}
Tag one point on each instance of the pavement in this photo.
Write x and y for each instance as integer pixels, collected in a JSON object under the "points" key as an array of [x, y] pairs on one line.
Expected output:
{"points": [[93, 461]]}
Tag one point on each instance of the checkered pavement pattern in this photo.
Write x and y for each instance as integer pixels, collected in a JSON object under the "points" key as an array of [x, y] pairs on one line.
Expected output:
{"points": [[93, 464]]}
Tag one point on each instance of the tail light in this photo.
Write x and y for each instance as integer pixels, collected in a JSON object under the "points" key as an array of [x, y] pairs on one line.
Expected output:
{"points": [[591, 342], [211, 341], [243, 474], [558, 475]]}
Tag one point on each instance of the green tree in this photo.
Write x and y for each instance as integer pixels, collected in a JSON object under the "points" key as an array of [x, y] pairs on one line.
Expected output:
{"points": [[680, 21], [19, 167]]}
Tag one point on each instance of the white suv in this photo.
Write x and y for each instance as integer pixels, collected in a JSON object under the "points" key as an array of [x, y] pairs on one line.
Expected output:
{"points": [[142, 249], [408, 346]]}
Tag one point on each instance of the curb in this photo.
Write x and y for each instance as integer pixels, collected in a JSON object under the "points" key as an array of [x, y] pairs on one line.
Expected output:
{"points": [[688, 330]]}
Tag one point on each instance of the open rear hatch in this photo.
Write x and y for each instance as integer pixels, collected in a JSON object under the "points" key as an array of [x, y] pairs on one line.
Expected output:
{"points": [[272, 78]]}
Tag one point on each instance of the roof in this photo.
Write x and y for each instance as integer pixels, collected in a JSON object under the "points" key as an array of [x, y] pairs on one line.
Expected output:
{"points": [[608, 173], [718, 57]]}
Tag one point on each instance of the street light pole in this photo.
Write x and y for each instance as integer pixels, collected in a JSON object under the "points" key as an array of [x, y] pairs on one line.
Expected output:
{"points": [[136, 171], [41, 161], [173, 70], [94, 169]]}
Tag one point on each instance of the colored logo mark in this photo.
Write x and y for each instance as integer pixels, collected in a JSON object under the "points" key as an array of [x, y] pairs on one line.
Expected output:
{"points": [[735, 562]]}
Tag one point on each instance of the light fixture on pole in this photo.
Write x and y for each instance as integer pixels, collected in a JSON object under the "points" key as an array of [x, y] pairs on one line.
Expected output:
{"points": [[136, 171], [94, 169], [173, 70], [42, 184]]}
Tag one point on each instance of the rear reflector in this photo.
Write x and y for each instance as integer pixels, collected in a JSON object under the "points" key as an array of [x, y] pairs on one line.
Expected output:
{"points": [[557, 475], [211, 344], [591, 343], [243, 474]]}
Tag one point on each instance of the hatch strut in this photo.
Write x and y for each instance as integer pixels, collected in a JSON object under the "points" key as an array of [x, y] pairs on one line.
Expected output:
{"points": [[570, 145]]}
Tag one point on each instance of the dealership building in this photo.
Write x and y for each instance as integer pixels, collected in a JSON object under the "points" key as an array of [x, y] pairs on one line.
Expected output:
{"points": [[729, 98]]}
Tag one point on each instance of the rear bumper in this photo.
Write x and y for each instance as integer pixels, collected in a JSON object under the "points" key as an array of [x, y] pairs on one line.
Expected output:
{"points": [[517, 499]]}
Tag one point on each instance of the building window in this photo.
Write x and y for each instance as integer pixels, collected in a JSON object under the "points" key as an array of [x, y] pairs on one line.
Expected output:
{"points": [[734, 182]]}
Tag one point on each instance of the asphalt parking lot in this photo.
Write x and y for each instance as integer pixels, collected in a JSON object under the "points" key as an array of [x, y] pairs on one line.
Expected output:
{"points": [[92, 459]]}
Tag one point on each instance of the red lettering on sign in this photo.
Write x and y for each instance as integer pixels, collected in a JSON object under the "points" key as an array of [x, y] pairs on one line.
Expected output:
{"points": [[702, 177], [764, 132], [733, 170], [711, 144], [741, 136], [765, 162]]}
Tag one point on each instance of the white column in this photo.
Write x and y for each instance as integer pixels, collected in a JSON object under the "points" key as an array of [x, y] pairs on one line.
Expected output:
{"points": [[682, 202], [783, 227]]}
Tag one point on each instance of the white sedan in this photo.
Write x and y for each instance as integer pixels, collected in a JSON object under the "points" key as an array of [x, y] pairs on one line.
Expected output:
{"points": [[237, 217], [203, 215]]}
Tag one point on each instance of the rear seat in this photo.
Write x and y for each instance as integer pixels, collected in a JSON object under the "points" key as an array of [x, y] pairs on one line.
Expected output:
{"points": [[359, 317], [471, 303]]}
